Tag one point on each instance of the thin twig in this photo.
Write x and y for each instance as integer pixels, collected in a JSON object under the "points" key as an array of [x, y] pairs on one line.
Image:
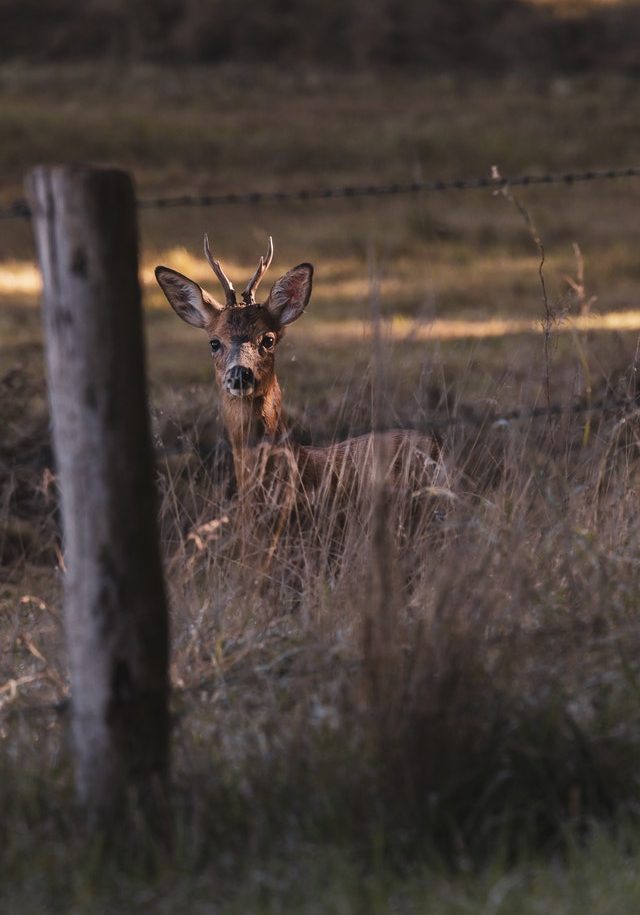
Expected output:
{"points": [[549, 315]]}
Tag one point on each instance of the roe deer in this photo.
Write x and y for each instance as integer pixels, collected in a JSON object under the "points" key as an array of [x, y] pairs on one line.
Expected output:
{"points": [[243, 336]]}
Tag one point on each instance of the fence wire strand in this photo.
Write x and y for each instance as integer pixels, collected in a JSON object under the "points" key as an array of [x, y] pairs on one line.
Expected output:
{"points": [[627, 408], [19, 209]]}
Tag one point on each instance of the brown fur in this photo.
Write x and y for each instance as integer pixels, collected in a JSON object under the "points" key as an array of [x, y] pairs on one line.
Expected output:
{"points": [[244, 338]]}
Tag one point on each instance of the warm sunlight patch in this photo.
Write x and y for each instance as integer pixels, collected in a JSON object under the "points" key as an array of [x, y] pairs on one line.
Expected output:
{"points": [[19, 278], [399, 329], [23, 278]]}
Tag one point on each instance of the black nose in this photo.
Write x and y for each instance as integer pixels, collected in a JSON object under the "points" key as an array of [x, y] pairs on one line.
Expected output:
{"points": [[239, 379]]}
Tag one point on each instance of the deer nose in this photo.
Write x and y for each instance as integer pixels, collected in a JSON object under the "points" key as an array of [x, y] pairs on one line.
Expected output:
{"points": [[239, 381]]}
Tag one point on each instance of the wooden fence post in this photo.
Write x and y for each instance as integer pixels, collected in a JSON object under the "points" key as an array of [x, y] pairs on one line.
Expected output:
{"points": [[115, 606]]}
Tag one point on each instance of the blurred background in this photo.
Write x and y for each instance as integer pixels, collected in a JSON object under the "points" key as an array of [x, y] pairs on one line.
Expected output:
{"points": [[214, 97], [277, 96], [491, 36]]}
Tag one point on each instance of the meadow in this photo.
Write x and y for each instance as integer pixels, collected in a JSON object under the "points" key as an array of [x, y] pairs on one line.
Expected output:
{"points": [[447, 721]]}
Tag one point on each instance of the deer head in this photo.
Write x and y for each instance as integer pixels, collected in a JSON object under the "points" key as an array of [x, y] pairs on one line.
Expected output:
{"points": [[242, 335]]}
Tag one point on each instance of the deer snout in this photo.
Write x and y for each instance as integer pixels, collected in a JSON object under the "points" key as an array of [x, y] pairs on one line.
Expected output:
{"points": [[239, 381]]}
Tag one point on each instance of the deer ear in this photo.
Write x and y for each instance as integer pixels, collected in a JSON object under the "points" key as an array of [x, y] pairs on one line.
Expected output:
{"points": [[188, 300], [290, 294]]}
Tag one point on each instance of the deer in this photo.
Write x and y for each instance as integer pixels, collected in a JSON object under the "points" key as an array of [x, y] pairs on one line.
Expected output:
{"points": [[243, 336]]}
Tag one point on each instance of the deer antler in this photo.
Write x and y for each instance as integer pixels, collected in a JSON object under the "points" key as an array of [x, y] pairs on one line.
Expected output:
{"points": [[248, 295], [227, 285]]}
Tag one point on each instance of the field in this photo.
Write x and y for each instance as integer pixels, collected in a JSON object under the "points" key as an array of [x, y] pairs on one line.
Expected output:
{"points": [[446, 722]]}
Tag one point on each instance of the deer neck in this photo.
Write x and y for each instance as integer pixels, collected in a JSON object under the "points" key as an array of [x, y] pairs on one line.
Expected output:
{"points": [[250, 423]]}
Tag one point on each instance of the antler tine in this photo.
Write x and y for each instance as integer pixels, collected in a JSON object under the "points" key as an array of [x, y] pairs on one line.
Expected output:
{"points": [[248, 294], [227, 285]]}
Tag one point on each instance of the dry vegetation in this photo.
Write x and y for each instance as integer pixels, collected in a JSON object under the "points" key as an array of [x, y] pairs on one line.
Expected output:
{"points": [[407, 708]]}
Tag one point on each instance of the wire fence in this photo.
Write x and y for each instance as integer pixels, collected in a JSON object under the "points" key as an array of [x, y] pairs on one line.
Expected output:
{"points": [[625, 407], [19, 209]]}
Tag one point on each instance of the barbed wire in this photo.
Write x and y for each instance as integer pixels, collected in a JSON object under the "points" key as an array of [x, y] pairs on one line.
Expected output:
{"points": [[19, 209], [626, 406]]}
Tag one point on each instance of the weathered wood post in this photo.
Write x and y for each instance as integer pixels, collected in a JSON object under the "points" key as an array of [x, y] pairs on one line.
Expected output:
{"points": [[115, 607]]}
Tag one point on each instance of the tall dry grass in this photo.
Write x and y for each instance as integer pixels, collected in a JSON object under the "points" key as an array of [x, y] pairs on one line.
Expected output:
{"points": [[450, 670], [456, 668]]}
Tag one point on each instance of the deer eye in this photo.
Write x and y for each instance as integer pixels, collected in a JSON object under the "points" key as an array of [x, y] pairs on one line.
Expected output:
{"points": [[268, 341], [215, 345]]}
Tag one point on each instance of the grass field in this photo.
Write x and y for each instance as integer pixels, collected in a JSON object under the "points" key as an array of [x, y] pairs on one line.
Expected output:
{"points": [[462, 735]]}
